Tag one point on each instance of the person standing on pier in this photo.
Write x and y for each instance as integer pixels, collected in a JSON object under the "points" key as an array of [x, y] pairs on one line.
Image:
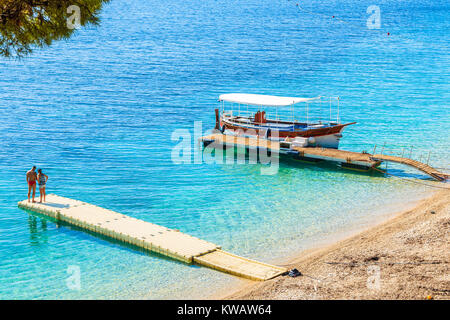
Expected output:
{"points": [[42, 180], [31, 180]]}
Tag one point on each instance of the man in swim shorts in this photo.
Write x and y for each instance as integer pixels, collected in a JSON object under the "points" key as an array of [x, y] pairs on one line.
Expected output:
{"points": [[31, 180]]}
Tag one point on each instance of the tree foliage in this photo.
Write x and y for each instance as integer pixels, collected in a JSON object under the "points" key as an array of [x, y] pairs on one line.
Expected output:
{"points": [[29, 24]]}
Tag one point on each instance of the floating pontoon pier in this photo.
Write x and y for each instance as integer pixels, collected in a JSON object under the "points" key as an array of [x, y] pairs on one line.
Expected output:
{"points": [[346, 159], [151, 237]]}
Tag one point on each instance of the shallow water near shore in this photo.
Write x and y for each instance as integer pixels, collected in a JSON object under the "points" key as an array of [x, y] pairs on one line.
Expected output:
{"points": [[97, 112]]}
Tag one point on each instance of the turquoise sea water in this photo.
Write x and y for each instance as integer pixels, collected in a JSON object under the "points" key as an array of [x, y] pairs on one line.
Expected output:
{"points": [[97, 111]]}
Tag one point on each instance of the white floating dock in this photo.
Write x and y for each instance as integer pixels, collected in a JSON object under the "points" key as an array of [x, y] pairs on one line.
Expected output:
{"points": [[150, 236], [239, 266]]}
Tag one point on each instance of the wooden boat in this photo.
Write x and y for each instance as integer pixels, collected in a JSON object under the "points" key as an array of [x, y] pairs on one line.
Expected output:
{"points": [[243, 122]]}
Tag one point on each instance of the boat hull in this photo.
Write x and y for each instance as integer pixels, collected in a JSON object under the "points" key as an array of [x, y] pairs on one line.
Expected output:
{"points": [[327, 137]]}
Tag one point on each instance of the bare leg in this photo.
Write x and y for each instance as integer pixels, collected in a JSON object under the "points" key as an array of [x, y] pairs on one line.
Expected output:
{"points": [[40, 195], [29, 191], [43, 191], [34, 191]]}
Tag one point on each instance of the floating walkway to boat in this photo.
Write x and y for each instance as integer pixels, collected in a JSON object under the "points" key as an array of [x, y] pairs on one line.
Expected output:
{"points": [[346, 159], [149, 236]]}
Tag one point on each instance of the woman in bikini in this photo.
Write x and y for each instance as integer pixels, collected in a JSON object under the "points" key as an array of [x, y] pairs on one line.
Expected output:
{"points": [[42, 180]]}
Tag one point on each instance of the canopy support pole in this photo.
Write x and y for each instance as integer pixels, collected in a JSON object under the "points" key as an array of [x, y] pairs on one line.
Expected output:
{"points": [[307, 114], [292, 114], [338, 110], [330, 109]]}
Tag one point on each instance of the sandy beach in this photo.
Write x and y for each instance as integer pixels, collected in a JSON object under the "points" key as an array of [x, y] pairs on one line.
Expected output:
{"points": [[406, 257]]}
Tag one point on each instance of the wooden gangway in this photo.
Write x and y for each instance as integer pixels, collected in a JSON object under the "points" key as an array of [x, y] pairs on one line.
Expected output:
{"points": [[347, 159], [425, 168], [151, 237]]}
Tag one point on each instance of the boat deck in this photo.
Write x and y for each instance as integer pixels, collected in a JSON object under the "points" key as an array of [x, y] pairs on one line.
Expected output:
{"points": [[149, 236]]}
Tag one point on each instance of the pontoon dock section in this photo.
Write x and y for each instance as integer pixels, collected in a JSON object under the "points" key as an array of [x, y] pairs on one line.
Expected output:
{"points": [[347, 159], [151, 237]]}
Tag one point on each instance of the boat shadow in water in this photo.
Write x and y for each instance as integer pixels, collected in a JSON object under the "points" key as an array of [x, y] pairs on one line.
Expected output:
{"points": [[81, 233], [291, 161], [400, 173]]}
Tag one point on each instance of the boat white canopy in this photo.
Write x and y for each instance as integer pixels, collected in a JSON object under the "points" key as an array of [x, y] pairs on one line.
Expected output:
{"points": [[263, 100]]}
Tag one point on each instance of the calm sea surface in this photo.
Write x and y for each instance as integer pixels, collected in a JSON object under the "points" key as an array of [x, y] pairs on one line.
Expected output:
{"points": [[97, 112]]}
